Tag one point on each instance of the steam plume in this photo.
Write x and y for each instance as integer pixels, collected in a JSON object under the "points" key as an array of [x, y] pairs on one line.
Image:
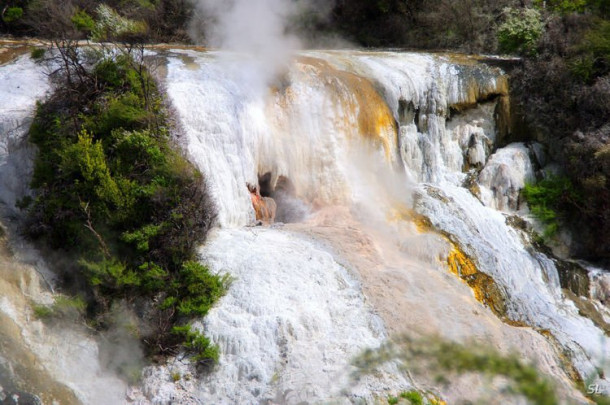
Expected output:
{"points": [[262, 29]]}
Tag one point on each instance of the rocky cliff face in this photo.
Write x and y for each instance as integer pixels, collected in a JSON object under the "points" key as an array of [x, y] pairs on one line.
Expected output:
{"points": [[396, 214], [369, 142]]}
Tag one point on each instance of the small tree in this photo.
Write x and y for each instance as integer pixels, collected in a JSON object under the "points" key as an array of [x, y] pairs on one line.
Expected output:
{"points": [[520, 31]]}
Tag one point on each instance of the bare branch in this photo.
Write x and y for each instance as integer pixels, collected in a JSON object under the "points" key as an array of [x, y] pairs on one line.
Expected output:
{"points": [[89, 225]]}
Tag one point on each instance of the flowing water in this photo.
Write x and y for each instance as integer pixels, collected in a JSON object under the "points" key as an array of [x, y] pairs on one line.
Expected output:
{"points": [[398, 210]]}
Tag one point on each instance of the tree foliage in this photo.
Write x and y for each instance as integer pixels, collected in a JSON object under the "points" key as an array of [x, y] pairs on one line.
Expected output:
{"points": [[162, 20], [520, 31], [115, 195], [564, 94], [110, 25], [12, 14], [83, 21], [549, 199]]}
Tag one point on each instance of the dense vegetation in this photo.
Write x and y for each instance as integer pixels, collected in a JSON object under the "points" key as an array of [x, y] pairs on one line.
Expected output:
{"points": [[548, 199], [164, 20], [564, 94], [466, 25], [114, 194]]}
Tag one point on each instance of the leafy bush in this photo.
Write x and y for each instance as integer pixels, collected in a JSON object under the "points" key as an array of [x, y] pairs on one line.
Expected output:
{"points": [[114, 194], [197, 289], [204, 352], [12, 14], [392, 400], [414, 397], [82, 21], [63, 307], [37, 53], [548, 198], [583, 67], [596, 46], [520, 31], [112, 26], [564, 95], [42, 311]]}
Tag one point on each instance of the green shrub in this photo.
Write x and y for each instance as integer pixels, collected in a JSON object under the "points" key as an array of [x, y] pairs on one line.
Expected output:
{"points": [[414, 397], [82, 21], [63, 307], [69, 305], [114, 194], [110, 275], [42, 311], [548, 198], [110, 25], [12, 14], [583, 67], [37, 53], [601, 8], [587, 51], [197, 289], [520, 31], [204, 352], [597, 45]]}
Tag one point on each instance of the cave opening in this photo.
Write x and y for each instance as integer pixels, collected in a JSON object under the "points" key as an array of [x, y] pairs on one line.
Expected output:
{"points": [[290, 208]]}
